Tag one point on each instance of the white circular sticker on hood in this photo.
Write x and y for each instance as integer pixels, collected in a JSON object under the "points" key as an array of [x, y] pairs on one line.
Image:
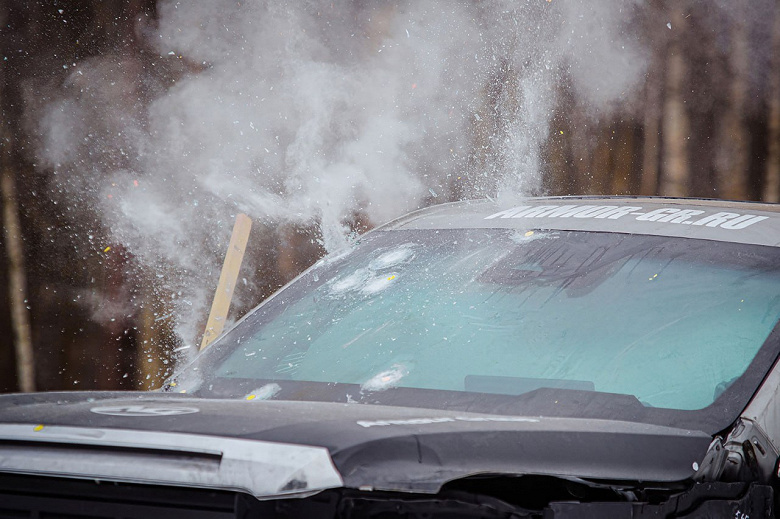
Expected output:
{"points": [[144, 410]]}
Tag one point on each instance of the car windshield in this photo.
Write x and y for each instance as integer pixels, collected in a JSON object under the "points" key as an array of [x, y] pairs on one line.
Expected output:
{"points": [[672, 323]]}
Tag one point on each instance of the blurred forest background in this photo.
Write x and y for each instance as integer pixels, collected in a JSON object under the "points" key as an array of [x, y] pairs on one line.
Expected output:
{"points": [[703, 122]]}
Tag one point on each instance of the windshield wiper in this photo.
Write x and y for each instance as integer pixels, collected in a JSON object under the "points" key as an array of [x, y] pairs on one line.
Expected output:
{"points": [[520, 385]]}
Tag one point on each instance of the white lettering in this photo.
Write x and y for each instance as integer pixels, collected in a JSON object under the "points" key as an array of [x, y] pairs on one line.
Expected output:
{"points": [[445, 419], [411, 421], [558, 211], [743, 221], [514, 419], [534, 211], [725, 220], [618, 212], [716, 219], [594, 210], [680, 216], [652, 216], [509, 213], [567, 211]]}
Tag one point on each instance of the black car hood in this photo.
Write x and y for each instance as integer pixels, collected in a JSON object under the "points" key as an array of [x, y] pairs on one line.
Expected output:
{"points": [[177, 439]]}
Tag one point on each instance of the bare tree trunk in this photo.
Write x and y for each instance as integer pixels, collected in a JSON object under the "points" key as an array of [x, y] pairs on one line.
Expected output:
{"points": [[17, 279], [771, 191], [600, 164], [581, 144], [622, 158], [732, 160], [676, 122], [652, 130], [149, 359], [17, 282]]}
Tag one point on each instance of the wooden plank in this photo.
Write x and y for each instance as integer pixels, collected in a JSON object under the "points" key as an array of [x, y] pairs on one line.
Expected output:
{"points": [[227, 280]]}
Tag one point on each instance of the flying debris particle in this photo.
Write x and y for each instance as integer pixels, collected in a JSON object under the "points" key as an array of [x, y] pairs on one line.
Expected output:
{"points": [[414, 85], [38, 428], [669, 25], [652, 278], [525, 237], [163, 317], [561, 132], [407, 33], [107, 249], [385, 379], [433, 193], [391, 277], [135, 182], [393, 257], [265, 392]]}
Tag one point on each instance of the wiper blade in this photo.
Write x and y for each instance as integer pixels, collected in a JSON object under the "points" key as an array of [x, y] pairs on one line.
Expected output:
{"points": [[520, 385]]}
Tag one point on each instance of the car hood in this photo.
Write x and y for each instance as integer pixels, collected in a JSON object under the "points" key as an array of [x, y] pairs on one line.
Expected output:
{"points": [[274, 448]]}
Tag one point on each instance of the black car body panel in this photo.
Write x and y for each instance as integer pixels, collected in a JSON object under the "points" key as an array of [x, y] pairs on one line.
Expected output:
{"points": [[384, 448]]}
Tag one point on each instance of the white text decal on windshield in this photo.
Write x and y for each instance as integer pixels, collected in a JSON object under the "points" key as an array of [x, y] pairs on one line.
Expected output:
{"points": [[723, 220]]}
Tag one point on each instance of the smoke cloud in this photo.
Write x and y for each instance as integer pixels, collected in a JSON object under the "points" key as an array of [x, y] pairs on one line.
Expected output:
{"points": [[309, 112]]}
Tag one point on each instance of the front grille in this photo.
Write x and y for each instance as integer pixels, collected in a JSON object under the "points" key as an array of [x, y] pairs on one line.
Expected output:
{"points": [[55, 498]]}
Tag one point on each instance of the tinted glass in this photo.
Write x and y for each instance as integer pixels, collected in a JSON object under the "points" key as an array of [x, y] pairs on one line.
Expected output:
{"points": [[672, 322]]}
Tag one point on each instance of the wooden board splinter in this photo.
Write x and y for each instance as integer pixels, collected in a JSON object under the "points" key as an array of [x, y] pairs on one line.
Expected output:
{"points": [[227, 280]]}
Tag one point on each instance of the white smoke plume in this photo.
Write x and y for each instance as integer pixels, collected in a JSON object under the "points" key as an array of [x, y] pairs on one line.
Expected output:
{"points": [[310, 111]]}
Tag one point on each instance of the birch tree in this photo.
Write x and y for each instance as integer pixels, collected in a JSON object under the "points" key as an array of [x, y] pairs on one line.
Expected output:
{"points": [[732, 158], [17, 276], [676, 124], [771, 190]]}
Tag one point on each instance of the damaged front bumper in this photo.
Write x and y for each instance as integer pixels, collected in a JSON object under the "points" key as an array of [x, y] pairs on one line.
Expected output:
{"points": [[103, 472], [29, 496], [261, 469]]}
